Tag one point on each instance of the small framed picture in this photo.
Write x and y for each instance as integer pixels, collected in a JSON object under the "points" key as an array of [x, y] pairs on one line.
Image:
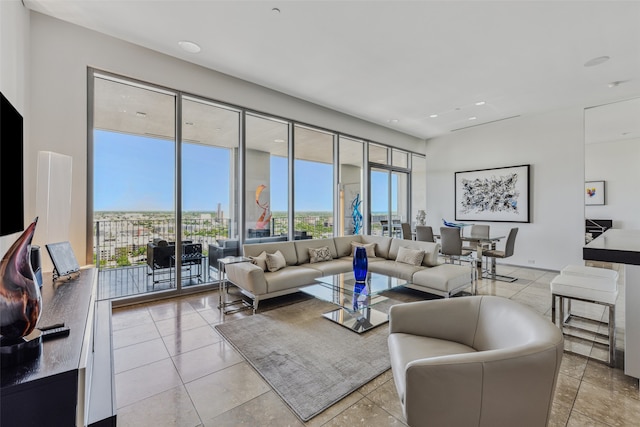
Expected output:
{"points": [[594, 193]]}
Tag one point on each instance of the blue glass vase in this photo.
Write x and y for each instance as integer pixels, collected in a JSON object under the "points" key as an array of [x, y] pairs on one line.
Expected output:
{"points": [[360, 265]]}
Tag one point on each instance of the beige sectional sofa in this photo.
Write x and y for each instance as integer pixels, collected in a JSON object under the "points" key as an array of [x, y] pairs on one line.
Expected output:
{"points": [[258, 283]]}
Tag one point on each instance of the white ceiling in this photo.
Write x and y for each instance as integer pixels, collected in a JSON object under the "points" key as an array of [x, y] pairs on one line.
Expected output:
{"points": [[384, 61]]}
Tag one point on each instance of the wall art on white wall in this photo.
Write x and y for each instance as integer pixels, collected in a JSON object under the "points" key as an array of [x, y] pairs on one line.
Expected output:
{"points": [[499, 194], [594, 193]]}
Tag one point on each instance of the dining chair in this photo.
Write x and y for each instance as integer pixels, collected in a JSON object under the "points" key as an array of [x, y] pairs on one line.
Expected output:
{"points": [[506, 253], [424, 233], [479, 231], [406, 231], [396, 228], [385, 226], [451, 245]]}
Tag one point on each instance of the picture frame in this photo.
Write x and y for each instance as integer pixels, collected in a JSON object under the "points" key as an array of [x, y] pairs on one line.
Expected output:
{"points": [[493, 195], [594, 193]]}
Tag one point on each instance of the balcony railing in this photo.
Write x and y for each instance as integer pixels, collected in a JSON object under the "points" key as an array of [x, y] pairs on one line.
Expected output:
{"points": [[123, 242]]}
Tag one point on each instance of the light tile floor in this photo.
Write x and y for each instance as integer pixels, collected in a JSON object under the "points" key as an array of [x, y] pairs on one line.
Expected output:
{"points": [[173, 369]]}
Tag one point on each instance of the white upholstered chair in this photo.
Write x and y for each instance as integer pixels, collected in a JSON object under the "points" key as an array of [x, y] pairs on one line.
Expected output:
{"points": [[474, 361]]}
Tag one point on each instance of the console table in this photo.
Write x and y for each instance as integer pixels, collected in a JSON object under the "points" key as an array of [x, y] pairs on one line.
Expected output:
{"points": [[623, 247], [72, 382]]}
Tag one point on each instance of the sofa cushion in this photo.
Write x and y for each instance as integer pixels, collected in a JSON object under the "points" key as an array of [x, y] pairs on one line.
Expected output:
{"points": [[287, 248], [332, 267], [260, 260], [383, 243], [430, 250], [319, 254], [444, 278], [369, 247], [396, 269], [410, 256], [302, 248], [343, 244], [276, 261]]}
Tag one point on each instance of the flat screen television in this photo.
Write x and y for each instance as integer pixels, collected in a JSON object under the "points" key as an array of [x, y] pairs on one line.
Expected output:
{"points": [[11, 169]]}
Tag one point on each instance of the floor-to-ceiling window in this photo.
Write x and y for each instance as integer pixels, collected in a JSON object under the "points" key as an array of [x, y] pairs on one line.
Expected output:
{"points": [[236, 175], [134, 178], [351, 185], [389, 188], [209, 169], [266, 178], [313, 183], [419, 187]]}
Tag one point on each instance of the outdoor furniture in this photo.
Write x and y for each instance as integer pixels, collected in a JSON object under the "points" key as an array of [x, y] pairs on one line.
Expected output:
{"points": [[161, 256], [223, 248], [474, 361]]}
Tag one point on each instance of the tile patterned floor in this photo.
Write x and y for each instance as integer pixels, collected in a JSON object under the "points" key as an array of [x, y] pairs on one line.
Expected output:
{"points": [[174, 369]]}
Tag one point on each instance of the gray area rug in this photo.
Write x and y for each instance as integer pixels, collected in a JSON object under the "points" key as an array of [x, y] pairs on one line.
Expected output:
{"points": [[310, 361]]}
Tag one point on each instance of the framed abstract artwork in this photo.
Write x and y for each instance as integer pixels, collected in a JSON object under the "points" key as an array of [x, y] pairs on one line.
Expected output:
{"points": [[594, 193], [500, 194]]}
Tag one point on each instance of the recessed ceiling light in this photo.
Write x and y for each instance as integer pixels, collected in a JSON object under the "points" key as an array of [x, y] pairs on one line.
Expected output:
{"points": [[275, 10], [278, 140], [480, 103], [596, 61], [141, 114], [433, 116], [472, 118], [188, 123], [188, 46]]}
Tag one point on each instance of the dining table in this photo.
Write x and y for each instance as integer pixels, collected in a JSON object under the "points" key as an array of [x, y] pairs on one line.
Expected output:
{"points": [[482, 243]]}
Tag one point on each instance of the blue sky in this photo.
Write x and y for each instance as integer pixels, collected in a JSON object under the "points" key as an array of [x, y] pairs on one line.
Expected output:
{"points": [[135, 173]]}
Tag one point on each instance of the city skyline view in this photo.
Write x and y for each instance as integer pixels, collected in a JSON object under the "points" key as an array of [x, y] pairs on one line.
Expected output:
{"points": [[136, 174]]}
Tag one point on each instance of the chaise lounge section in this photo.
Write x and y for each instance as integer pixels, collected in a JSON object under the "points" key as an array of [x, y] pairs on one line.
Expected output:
{"points": [[386, 255]]}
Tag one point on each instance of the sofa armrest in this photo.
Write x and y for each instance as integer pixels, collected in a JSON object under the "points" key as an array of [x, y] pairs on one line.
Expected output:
{"points": [[247, 276]]}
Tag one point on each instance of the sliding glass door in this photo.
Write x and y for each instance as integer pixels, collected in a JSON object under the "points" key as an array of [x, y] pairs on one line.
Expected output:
{"points": [[134, 175], [209, 170]]}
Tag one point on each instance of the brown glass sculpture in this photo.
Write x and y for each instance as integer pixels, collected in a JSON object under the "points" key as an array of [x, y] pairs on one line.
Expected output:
{"points": [[20, 299]]}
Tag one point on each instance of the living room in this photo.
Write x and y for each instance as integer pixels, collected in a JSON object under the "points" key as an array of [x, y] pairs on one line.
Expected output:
{"points": [[44, 73]]}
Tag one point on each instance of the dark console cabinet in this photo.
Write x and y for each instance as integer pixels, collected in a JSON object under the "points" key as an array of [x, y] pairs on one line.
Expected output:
{"points": [[72, 382]]}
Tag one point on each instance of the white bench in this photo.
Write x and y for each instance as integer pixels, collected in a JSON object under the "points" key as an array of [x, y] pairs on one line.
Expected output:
{"points": [[591, 285]]}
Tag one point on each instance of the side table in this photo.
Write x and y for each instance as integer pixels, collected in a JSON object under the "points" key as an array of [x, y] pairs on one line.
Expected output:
{"points": [[239, 304]]}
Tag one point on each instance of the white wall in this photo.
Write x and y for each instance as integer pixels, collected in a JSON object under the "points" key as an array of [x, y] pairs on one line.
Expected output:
{"points": [[616, 163], [553, 144], [14, 67], [60, 54]]}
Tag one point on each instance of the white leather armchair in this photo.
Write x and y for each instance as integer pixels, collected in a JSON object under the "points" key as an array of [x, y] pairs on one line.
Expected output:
{"points": [[474, 361]]}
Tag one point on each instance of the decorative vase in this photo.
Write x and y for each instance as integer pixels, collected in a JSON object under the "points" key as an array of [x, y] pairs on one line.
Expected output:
{"points": [[360, 265], [20, 297]]}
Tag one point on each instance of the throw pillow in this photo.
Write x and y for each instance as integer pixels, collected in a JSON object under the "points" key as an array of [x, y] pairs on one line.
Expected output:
{"points": [[410, 256], [260, 260], [319, 254], [369, 247], [276, 261]]}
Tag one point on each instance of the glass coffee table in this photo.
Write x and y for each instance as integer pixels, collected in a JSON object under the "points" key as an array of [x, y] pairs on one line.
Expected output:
{"points": [[356, 301]]}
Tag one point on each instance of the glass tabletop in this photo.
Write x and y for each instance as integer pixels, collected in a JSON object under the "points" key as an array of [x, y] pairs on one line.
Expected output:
{"points": [[355, 299], [342, 289]]}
